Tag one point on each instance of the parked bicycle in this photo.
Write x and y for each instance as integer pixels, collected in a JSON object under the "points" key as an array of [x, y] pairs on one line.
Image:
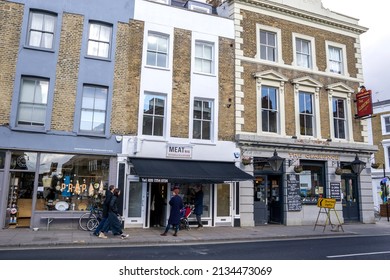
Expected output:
{"points": [[89, 221]]}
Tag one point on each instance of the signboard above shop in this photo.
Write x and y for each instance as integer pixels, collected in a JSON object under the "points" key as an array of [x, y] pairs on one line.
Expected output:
{"points": [[179, 151]]}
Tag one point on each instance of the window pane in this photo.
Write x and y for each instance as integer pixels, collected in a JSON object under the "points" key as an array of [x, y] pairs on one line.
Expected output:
{"points": [[93, 48], [158, 126], [105, 33], [86, 120], [147, 125], [35, 39], [28, 88], [161, 60], [98, 121], [94, 30], [197, 129], [37, 21], [208, 52], [103, 49], [151, 58], [206, 131]]}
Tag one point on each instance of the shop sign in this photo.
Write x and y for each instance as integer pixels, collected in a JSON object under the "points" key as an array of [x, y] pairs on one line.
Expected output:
{"points": [[153, 180], [179, 151], [364, 103], [326, 203]]}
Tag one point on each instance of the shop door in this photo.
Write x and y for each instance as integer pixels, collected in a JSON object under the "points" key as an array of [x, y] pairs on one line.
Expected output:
{"points": [[267, 200], [134, 206], [261, 201], [350, 198], [21, 188], [158, 206], [223, 205]]}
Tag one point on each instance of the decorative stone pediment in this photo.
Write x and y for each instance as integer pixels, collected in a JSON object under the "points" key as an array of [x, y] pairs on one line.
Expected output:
{"points": [[307, 81], [340, 87], [270, 75]]}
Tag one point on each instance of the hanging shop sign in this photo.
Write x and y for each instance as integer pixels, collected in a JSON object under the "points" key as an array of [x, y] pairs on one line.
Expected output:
{"points": [[364, 103]]}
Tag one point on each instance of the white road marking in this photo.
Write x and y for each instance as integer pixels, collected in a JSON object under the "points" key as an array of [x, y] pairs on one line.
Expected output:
{"points": [[359, 254]]}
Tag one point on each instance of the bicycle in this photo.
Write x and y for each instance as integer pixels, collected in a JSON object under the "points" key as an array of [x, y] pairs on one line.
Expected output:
{"points": [[89, 221]]}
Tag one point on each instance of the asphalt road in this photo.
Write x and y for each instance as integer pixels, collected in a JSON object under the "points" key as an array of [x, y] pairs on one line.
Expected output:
{"points": [[336, 248]]}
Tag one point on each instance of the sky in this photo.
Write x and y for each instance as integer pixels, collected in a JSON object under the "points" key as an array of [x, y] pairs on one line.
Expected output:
{"points": [[375, 42]]}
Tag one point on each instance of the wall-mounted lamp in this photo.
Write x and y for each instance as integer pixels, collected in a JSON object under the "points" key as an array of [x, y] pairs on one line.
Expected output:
{"points": [[357, 165], [275, 161]]}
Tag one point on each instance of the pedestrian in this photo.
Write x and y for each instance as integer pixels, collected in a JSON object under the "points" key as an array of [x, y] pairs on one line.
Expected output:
{"points": [[104, 224], [198, 203], [113, 217], [176, 204]]}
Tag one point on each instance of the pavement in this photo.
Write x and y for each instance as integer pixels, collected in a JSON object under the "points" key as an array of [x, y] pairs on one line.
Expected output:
{"points": [[28, 238]]}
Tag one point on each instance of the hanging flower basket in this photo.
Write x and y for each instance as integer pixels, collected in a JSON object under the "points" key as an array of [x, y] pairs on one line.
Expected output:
{"points": [[375, 165], [338, 171], [298, 168], [246, 160]]}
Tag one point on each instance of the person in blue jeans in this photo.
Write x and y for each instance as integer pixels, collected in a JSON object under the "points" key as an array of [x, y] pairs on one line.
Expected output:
{"points": [[103, 225], [176, 203], [113, 221]]}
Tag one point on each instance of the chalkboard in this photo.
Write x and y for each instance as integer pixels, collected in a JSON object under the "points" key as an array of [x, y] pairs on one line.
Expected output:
{"points": [[294, 202], [335, 191]]}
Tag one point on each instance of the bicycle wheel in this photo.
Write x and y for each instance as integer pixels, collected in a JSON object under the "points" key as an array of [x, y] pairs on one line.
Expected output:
{"points": [[84, 220], [92, 224]]}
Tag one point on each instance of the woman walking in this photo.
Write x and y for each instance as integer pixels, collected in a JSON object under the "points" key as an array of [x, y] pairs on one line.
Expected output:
{"points": [[174, 217]]}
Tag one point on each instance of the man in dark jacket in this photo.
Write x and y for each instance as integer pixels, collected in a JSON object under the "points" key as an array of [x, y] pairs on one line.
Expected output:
{"points": [[176, 203], [102, 227], [198, 201]]}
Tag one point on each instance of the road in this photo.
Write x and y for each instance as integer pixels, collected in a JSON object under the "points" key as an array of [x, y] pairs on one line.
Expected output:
{"points": [[337, 248]]}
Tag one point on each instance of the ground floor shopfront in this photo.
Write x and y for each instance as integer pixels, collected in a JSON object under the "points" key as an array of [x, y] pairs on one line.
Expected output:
{"points": [[310, 170], [46, 176], [151, 169]]}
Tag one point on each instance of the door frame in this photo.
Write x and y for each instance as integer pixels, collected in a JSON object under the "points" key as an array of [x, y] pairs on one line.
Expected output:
{"points": [[346, 205]]}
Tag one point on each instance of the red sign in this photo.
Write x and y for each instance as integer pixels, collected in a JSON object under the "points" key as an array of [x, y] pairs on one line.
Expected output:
{"points": [[364, 103]]}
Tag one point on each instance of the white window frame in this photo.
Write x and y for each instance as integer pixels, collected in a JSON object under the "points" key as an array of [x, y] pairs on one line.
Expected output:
{"points": [[311, 40], [164, 121], [344, 65], [278, 32], [345, 120], [41, 31], [383, 124], [202, 58], [94, 52], [212, 128], [39, 101], [94, 110], [157, 52]]}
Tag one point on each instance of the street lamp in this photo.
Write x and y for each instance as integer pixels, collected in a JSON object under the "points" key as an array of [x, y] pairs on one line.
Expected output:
{"points": [[275, 161], [358, 165]]}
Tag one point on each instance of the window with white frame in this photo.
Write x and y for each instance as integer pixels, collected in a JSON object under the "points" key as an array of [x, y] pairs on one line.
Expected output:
{"points": [[202, 119], [385, 120], [339, 118], [306, 113], [93, 109], [335, 59], [99, 41], [303, 53], [157, 50], [268, 45], [41, 30], [269, 109], [204, 57], [32, 104], [153, 114]]}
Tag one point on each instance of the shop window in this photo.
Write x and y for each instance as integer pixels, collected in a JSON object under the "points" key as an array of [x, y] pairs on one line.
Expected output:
{"points": [[71, 182], [187, 193], [312, 182], [2, 160]]}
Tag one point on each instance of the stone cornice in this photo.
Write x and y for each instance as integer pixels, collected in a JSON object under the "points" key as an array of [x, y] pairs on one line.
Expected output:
{"points": [[305, 15]]}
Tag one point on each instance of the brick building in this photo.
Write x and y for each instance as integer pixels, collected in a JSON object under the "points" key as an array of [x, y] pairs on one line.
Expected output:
{"points": [[115, 93], [298, 67]]}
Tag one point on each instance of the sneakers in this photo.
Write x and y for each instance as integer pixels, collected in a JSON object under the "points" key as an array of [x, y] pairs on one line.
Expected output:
{"points": [[123, 235], [102, 235]]}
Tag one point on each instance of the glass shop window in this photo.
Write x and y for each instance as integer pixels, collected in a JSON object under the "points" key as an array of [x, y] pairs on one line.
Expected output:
{"points": [[187, 193], [312, 182], [71, 182]]}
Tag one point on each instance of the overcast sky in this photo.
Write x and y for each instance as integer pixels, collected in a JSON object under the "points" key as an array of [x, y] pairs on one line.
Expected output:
{"points": [[375, 42]]}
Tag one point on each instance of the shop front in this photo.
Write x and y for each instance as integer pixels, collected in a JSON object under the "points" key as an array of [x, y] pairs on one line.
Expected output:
{"points": [[149, 190], [41, 185], [310, 170]]}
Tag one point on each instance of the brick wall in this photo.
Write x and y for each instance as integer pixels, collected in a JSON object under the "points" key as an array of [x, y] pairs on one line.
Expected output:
{"points": [[67, 73], [128, 60], [11, 17], [181, 83], [226, 90]]}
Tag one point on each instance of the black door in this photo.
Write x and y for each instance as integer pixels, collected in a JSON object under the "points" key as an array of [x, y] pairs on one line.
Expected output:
{"points": [[350, 198]]}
